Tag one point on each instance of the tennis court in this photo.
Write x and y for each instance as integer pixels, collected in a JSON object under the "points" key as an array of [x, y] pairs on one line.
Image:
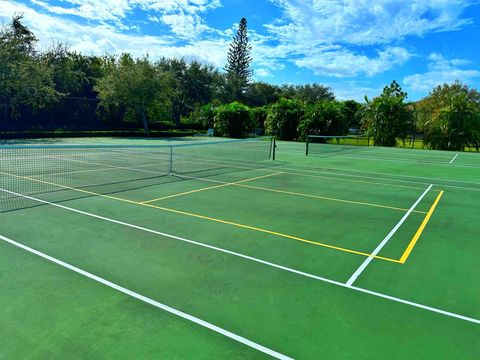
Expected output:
{"points": [[197, 248]]}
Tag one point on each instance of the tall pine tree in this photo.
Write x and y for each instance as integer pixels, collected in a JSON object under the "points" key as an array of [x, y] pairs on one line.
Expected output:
{"points": [[239, 73]]}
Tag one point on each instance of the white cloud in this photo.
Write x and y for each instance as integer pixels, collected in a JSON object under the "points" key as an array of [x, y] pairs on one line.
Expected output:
{"points": [[171, 6], [365, 21], [185, 25], [90, 9], [320, 34], [333, 38], [441, 70], [103, 38], [345, 63], [351, 90], [182, 16], [262, 73]]}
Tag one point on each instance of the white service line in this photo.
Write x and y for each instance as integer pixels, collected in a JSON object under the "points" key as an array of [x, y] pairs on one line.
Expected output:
{"points": [[328, 171], [367, 261], [150, 301], [371, 158], [253, 259], [451, 161]]}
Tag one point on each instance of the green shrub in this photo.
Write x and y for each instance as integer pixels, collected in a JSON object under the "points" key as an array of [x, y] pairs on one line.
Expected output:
{"points": [[260, 115], [283, 119], [387, 117], [324, 118], [203, 115], [450, 117], [233, 120]]}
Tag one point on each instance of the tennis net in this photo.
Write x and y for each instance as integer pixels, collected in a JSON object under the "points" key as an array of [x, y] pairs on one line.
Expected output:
{"points": [[56, 173], [326, 144]]}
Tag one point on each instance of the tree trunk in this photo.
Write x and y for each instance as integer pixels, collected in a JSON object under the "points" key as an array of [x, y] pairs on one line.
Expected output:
{"points": [[145, 123]]}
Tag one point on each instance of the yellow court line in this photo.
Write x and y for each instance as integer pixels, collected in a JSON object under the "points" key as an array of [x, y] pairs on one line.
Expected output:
{"points": [[239, 183], [422, 226], [184, 193], [329, 198], [266, 231], [352, 180], [209, 218], [208, 188], [287, 171]]}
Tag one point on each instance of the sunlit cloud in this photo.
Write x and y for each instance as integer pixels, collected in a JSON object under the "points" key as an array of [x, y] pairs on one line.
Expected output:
{"points": [[331, 40], [441, 70]]}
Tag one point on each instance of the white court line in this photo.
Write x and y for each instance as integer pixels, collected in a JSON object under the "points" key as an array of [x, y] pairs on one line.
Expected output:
{"points": [[251, 258], [102, 164], [328, 171], [150, 301], [207, 160], [132, 168], [175, 162], [371, 158], [451, 161], [380, 246]]}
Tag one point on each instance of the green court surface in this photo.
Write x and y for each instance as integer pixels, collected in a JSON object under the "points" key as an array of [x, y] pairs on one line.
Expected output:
{"points": [[357, 253]]}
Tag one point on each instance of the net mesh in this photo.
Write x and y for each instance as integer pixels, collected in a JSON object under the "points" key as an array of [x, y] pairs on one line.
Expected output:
{"points": [[62, 173], [321, 145]]}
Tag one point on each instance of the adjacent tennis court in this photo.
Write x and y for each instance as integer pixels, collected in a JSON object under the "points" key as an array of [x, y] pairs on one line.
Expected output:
{"points": [[197, 248]]}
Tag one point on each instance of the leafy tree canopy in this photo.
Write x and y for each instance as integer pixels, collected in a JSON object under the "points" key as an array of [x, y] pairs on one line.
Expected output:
{"points": [[136, 85], [449, 117], [324, 118], [283, 119], [309, 93], [387, 117], [233, 120], [26, 81]]}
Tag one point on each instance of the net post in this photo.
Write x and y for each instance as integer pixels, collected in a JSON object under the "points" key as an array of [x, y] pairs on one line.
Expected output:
{"points": [[274, 150], [271, 147], [306, 145], [170, 170]]}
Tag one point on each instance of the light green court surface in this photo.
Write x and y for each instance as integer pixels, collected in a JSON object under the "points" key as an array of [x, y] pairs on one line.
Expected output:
{"points": [[318, 257]]}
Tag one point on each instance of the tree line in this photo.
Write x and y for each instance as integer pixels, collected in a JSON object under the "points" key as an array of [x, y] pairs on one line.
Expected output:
{"points": [[63, 87], [60, 88]]}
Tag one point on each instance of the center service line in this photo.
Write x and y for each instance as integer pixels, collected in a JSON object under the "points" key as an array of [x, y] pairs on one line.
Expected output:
{"points": [[362, 267]]}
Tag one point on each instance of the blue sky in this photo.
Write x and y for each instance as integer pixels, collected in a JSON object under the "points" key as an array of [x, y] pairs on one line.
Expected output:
{"points": [[356, 46]]}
